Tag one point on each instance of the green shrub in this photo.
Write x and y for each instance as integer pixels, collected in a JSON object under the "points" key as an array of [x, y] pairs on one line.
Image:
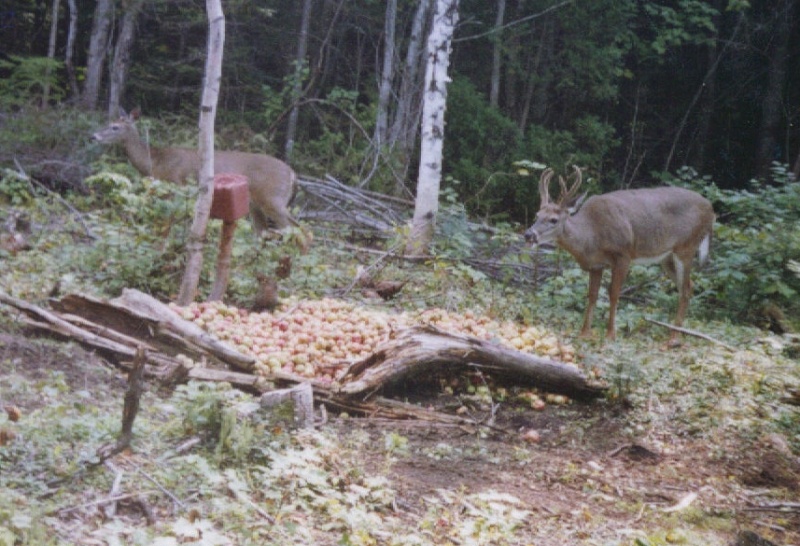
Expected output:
{"points": [[757, 238], [28, 79]]}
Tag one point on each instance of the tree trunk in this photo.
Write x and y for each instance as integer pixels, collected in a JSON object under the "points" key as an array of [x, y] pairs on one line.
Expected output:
{"points": [[208, 110], [534, 82], [512, 51], [709, 97], [122, 56], [300, 63], [51, 52], [494, 91], [387, 75], [98, 45], [68, 57], [768, 149], [403, 134], [434, 103]]}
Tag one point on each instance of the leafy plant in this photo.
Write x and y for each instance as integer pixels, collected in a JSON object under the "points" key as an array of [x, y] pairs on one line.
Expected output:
{"points": [[28, 79], [14, 189], [757, 239]]}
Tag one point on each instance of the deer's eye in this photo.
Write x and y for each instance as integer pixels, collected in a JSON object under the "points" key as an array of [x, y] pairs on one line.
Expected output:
{"points": [[553, 221]]}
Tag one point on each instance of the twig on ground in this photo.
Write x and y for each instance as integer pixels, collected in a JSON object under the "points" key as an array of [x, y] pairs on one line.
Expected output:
{"points": [[131, 407], [104, 500], [694, 333], [163, 489]]}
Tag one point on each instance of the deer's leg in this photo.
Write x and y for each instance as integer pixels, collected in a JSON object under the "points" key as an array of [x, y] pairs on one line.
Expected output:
{"points": [[683, 280], [259, 219], [595, 276], [619, 270]]}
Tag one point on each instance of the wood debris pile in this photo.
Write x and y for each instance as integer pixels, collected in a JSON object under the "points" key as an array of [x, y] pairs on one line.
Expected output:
{"points": [[178, 350]]}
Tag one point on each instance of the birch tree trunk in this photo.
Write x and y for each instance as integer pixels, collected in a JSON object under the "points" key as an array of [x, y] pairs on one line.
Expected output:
{"points": [[122, 55], [403, 133], [434, 104], [208, 111], [98, 44], [387, 75], [300, 61], [494, 90]]}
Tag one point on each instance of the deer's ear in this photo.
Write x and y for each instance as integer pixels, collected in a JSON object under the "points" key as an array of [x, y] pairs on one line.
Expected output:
{"points": [[135, 113], [575, 204]]}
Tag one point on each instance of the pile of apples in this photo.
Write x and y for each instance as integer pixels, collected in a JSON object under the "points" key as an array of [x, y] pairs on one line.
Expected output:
{"points": [[318, 338]]}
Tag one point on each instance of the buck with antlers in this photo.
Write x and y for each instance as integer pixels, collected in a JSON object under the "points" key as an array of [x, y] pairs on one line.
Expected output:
{"points": [[667, 225], [271, 181]]}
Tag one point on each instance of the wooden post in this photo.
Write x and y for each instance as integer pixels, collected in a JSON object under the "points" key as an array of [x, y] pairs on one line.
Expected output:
{"points": [[223, 261], [231, 202]]}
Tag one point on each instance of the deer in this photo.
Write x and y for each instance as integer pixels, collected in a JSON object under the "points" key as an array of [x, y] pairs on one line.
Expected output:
{"points": [[667, 225], [271, 183]]}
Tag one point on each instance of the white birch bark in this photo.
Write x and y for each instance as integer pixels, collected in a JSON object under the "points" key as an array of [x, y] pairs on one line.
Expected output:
{"points": [[434, 104], [208, 112]]}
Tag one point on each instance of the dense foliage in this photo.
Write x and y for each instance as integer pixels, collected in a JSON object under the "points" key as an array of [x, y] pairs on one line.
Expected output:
{"points": [[627, 88], [637, 93]]}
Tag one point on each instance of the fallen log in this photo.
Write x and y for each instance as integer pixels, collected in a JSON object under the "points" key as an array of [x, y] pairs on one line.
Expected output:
{"points": [[136, 321], [419, 350], [143, 317]]}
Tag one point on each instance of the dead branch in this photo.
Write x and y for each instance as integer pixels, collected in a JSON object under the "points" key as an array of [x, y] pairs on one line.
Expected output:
{"points": [[130, 408], [694, 333]]}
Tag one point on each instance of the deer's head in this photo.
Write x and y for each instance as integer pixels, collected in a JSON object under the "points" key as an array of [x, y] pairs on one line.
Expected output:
{"points": [[119, 130], [553, 214]]}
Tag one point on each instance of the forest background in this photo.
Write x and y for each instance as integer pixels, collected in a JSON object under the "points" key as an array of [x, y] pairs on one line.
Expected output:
{"points": [[701, 93], [691, 446]]}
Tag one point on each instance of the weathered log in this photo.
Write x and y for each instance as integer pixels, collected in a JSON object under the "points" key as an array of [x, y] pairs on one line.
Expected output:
{"points": [[146, 323], [140, 316], [418, 350]]}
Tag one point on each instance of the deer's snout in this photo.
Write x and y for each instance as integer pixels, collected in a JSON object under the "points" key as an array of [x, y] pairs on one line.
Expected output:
{"points": [[531, 236]]}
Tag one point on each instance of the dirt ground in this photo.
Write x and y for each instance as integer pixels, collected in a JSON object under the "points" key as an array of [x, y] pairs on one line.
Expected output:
{"points": [[588, 479]]}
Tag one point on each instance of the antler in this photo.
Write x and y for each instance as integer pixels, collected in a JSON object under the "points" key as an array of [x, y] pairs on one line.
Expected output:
{"points": [[544, 186], [568, 194]]}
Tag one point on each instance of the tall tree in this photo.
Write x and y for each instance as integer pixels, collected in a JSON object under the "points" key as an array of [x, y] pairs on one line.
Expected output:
{"points": [[772, 107], [434, 104], [403, 133], [118, 73], [297, 83], [387, 75], [98, 45], [70, 49], [208, 113], [494, 90], [51, 52]]}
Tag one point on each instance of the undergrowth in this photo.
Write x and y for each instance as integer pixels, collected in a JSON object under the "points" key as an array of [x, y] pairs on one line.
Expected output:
{"points": [[126, 231]]}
